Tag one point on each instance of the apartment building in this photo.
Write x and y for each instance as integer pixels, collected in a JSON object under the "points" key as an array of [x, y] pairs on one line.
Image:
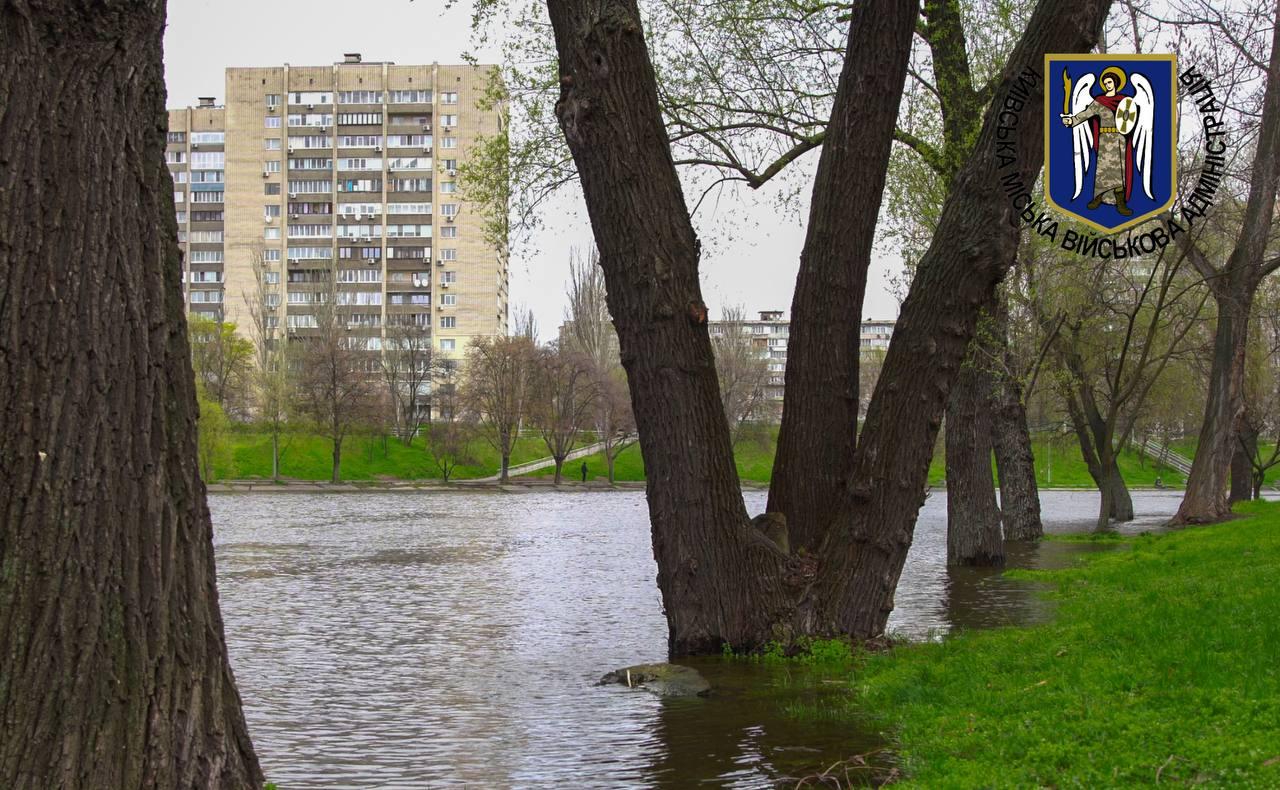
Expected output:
{"points": [[771, 333], [305, 173]]}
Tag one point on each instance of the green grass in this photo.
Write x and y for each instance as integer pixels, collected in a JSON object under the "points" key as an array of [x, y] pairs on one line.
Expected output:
{"points": [[1059, 467], [1162, 662], [309, 457]]}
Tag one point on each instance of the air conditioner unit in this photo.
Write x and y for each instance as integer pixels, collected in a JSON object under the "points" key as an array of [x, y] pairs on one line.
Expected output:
{"points": [[270, 220], [271, 108], [444, 285], [266, 174], [293, 216], [426, 127], [453, 173], [290, 149], [311, 106], [449, 218], [377, 149], [293, 194], [440, 262], [195, 145]]}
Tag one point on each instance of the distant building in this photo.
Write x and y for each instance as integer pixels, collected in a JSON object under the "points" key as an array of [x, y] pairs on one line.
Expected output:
{"points": [[771, 333]]}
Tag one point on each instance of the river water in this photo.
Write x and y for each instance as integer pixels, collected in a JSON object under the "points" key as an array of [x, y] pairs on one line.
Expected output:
{"points": [[415, 640]]}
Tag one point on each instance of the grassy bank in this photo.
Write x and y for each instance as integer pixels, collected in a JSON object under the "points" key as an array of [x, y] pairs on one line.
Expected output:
{"points": [[1161, 665], [1058, 465]]}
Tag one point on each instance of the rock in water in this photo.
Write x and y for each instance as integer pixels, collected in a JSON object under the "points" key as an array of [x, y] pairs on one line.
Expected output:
{"points": [[666, 680]]}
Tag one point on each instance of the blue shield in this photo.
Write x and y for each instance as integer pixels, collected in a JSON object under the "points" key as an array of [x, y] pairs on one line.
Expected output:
{"points": [[1109, 140]]}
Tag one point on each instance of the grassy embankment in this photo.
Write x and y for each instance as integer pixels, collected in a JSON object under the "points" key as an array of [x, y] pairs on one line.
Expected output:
{"points": [[1057, 466], [1162, 664]]}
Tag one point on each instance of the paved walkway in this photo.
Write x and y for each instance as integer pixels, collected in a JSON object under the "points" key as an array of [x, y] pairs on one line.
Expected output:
{"points": [[543, 463]]}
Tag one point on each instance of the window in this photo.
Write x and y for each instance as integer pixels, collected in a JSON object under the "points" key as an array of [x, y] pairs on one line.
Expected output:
{"points": [[363, 253], [360, 209], [272, 166], [180, 217], [448, 187], [408, 208], [410, 163], [213, 138], [410, 97], [408, 231], [271, 143], [306, 297], [175, 157], [360, 276], [295, 321], [271, 122], [448, 120], [182, 236], [310, 231], [360, 185], [448, 344], [409, 252], [448, 322], [208, 160], [271, 189], [309, 254], [310, 208], [449, 254], [448, 299], [359, 297], [270, 233], [410, 185], [206, 216], [448, 97], [206, 237], [310, 97], [310, 164], [309, 187], [449, 277], [207, 177], [360, 97], [180, 177], [269, 256], [448, 142], [272, 210], [449, 232], [273, 100], [206, 297], [206, 277], [360, 163], [205, 256], [310, 141], [366, 320], [311, 119], [177, 137], [206, 197], [449, 209], [359, 140], [272, 301], [360, 118], [408, 140]]}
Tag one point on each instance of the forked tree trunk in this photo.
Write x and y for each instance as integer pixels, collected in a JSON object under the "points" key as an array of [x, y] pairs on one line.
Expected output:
{"points": [[113, 666], [559, 469], [973, 518], [721, 579]]}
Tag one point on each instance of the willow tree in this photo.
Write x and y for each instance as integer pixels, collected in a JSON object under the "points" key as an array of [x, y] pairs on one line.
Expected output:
{"points": [[721, 579], [115, 670]]}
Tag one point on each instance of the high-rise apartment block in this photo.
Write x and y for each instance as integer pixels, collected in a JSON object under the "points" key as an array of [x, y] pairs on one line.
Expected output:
{"points": [[348, 170]]}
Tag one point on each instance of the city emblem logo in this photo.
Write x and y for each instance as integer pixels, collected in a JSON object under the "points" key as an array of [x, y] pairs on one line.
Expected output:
{"points": [[1110, 137]]}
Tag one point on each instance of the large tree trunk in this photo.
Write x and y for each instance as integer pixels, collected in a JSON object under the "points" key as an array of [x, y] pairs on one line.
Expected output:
{"points": [[721, 580], [559, 469], [820, 413], [113, 666], [973, 518], [1242, 463]]}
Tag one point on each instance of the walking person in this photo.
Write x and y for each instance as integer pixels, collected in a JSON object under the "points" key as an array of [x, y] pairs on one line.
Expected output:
{"points": [[584, 471]]}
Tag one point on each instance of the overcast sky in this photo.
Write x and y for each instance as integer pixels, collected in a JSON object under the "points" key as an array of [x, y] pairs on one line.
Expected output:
{"points": [[752, 263]]}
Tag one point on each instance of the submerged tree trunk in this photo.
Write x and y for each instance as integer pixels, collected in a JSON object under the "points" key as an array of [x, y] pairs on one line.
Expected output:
{"points": [[722, 580], [337, 460], [113, 665], [973, 518], [275, 457]]}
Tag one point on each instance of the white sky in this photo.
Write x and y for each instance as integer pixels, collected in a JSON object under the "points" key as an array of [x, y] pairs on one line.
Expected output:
{"points": [[753, 263]]}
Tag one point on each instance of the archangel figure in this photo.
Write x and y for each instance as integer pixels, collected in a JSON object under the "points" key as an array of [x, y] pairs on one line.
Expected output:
{"points": [[1114, 128]]}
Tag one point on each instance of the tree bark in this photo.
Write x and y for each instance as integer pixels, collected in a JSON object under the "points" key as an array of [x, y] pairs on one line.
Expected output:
{"points": [[820, 413], [973, 518], [506, 465], [1242, 488], [1115, 504], [721, 579], [1011, 440], [114, 666], [337, 460], [559, 467]]}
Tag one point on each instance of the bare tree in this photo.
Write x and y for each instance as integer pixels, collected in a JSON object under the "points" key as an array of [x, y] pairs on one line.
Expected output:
{"points": [[615, 423], [271, 378], [589, 328], [448, 438], [408, 365], [335, 385], [495, 390], [562, 400], [114, 669], [743, 370], [524, 324]]}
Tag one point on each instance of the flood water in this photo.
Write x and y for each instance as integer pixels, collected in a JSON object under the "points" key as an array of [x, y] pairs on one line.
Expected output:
{"points": [[415, 640]]}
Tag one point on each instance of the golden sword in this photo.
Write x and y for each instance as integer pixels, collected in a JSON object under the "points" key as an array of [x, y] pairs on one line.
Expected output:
{"points": [[1066, 92]]}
